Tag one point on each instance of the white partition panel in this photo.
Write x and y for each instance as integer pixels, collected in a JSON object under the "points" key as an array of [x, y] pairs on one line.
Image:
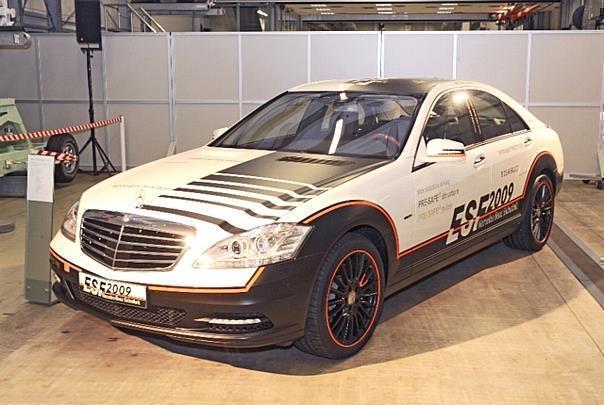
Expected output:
{"points": [[566, 67], [206, 67], [272, 63], [419, 55], [19, 73], [344, 55], [63, 70], [498, 60], [577, 127], [195, 122], [147, 132], [137, 66]]}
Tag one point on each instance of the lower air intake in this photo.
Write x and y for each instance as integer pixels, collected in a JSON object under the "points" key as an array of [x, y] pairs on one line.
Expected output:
{"points": [[161, 316]]}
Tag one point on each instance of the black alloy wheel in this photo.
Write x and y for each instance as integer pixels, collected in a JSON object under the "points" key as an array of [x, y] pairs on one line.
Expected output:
{"points": [[346, 300], [537, 216], [542, 212], [352, 299]]}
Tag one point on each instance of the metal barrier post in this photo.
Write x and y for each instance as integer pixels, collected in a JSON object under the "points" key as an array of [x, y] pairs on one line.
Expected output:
{"points": [[123, 142], [40, 193]]}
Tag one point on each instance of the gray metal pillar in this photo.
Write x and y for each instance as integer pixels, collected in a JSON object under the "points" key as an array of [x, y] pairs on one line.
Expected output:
{"points": [[18, 6], [54, 14], [125, 20], [238, 16]]}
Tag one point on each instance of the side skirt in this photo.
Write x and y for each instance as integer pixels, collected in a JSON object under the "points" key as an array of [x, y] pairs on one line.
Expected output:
{"points": [[423, 267]]}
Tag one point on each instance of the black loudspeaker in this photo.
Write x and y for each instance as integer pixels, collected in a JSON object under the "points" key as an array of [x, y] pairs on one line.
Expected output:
{"points": [[88, 22]]}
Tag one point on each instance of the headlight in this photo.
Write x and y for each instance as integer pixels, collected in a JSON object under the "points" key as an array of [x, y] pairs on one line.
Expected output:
{"points": [[69, 223], [257, 247]]}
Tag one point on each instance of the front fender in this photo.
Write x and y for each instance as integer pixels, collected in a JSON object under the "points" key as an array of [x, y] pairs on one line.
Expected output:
{"points": [[331, 223]]}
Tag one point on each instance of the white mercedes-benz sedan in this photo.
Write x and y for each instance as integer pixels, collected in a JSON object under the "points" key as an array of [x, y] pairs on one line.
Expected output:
{"points": [[294, 224]]}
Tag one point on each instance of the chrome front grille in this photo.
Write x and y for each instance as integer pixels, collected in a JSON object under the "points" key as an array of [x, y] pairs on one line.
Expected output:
{"points": [[131, 242]]}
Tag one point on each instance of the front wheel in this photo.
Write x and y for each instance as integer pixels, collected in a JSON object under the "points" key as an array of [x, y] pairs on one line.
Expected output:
{"points": [[66, 171], [538, 217], [346, 301]]}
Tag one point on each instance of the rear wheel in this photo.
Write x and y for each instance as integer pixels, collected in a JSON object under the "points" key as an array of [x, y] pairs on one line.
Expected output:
{"points": [[538, 217], [66, 171], [346, 300]]}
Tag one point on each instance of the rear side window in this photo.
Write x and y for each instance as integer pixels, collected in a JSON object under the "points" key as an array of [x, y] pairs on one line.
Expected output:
{"points": [[490, 114], [516, 123], [450, 119]]}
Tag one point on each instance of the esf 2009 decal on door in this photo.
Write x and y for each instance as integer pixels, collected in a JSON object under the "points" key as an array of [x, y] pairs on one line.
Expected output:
{"points": [[475, 215]]}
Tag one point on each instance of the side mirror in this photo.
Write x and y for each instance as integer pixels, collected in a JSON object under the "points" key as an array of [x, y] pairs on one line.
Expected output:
{"points": [[444, 150], [219, 131]]}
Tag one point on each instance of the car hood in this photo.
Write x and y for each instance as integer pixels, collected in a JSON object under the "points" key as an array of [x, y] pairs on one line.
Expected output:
{"points": [[232, 189]]}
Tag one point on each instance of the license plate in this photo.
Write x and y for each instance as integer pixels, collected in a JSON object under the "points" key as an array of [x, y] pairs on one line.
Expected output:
{"points": [[117, 291]]}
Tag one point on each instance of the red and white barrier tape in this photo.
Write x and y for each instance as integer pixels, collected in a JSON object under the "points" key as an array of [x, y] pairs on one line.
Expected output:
{"points": [[60, 157], [51, 132]]}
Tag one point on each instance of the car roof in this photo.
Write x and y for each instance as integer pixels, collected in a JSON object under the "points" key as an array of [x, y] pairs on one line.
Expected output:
{"points": [[388, 86]]}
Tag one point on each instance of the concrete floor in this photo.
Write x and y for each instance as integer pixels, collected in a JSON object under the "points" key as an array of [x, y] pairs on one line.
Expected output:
{"points": [[580, 208], [500, 327]]}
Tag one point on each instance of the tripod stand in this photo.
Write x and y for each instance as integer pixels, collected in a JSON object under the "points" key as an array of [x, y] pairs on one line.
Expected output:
{"points": [[92, 140]]}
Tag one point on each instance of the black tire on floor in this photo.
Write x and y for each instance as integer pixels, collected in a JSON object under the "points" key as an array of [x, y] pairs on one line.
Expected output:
{"points": [[537, 218], [585, 181], [346, 301], [6, 226], [65, 143]]}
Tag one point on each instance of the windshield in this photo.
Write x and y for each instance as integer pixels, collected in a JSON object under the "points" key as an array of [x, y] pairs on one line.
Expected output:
{"points": [[330, 123]]}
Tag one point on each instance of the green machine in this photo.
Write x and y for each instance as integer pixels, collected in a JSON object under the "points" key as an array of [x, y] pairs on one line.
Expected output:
{"points": [[13, 155]]}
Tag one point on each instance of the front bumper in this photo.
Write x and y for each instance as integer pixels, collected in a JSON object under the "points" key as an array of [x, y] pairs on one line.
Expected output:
{"points": [[279, 298]]}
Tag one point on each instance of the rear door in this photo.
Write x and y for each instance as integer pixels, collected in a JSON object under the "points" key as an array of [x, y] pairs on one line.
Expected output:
{"points": [[507, 146], [447, 193]]}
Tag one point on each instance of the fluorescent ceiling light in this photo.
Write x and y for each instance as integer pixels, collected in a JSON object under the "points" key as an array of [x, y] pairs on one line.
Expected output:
{"points": [[443, 12], [262, 13], [385, 12], [383, 5], [448, 4], [318, 5], [384, 9], [446, 8]]}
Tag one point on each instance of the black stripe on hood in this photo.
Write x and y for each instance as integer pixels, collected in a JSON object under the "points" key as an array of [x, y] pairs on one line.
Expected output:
{"points": [[318, 170], [224, 225]]}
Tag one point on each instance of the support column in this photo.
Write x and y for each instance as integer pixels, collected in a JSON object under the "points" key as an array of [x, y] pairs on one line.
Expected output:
{"points": [[18, 6], [54, 15], [124, 19]]}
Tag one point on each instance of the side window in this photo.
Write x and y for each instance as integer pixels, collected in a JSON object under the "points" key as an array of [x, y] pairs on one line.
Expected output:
{"points": [[516, 123], [490, 114], [450, 119]]}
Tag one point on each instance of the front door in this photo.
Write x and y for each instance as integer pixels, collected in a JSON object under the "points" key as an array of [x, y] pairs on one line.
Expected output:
{"points": [[448, 194]]}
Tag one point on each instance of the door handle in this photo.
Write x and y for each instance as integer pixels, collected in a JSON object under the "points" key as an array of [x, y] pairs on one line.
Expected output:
{"points": [[528, 140], [479, 161]]}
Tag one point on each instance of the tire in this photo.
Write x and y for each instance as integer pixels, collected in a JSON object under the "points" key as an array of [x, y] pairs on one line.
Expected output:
{"points": [[585, 181], [354, 267], [64, 143], [600, 185], [537, 218]]}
